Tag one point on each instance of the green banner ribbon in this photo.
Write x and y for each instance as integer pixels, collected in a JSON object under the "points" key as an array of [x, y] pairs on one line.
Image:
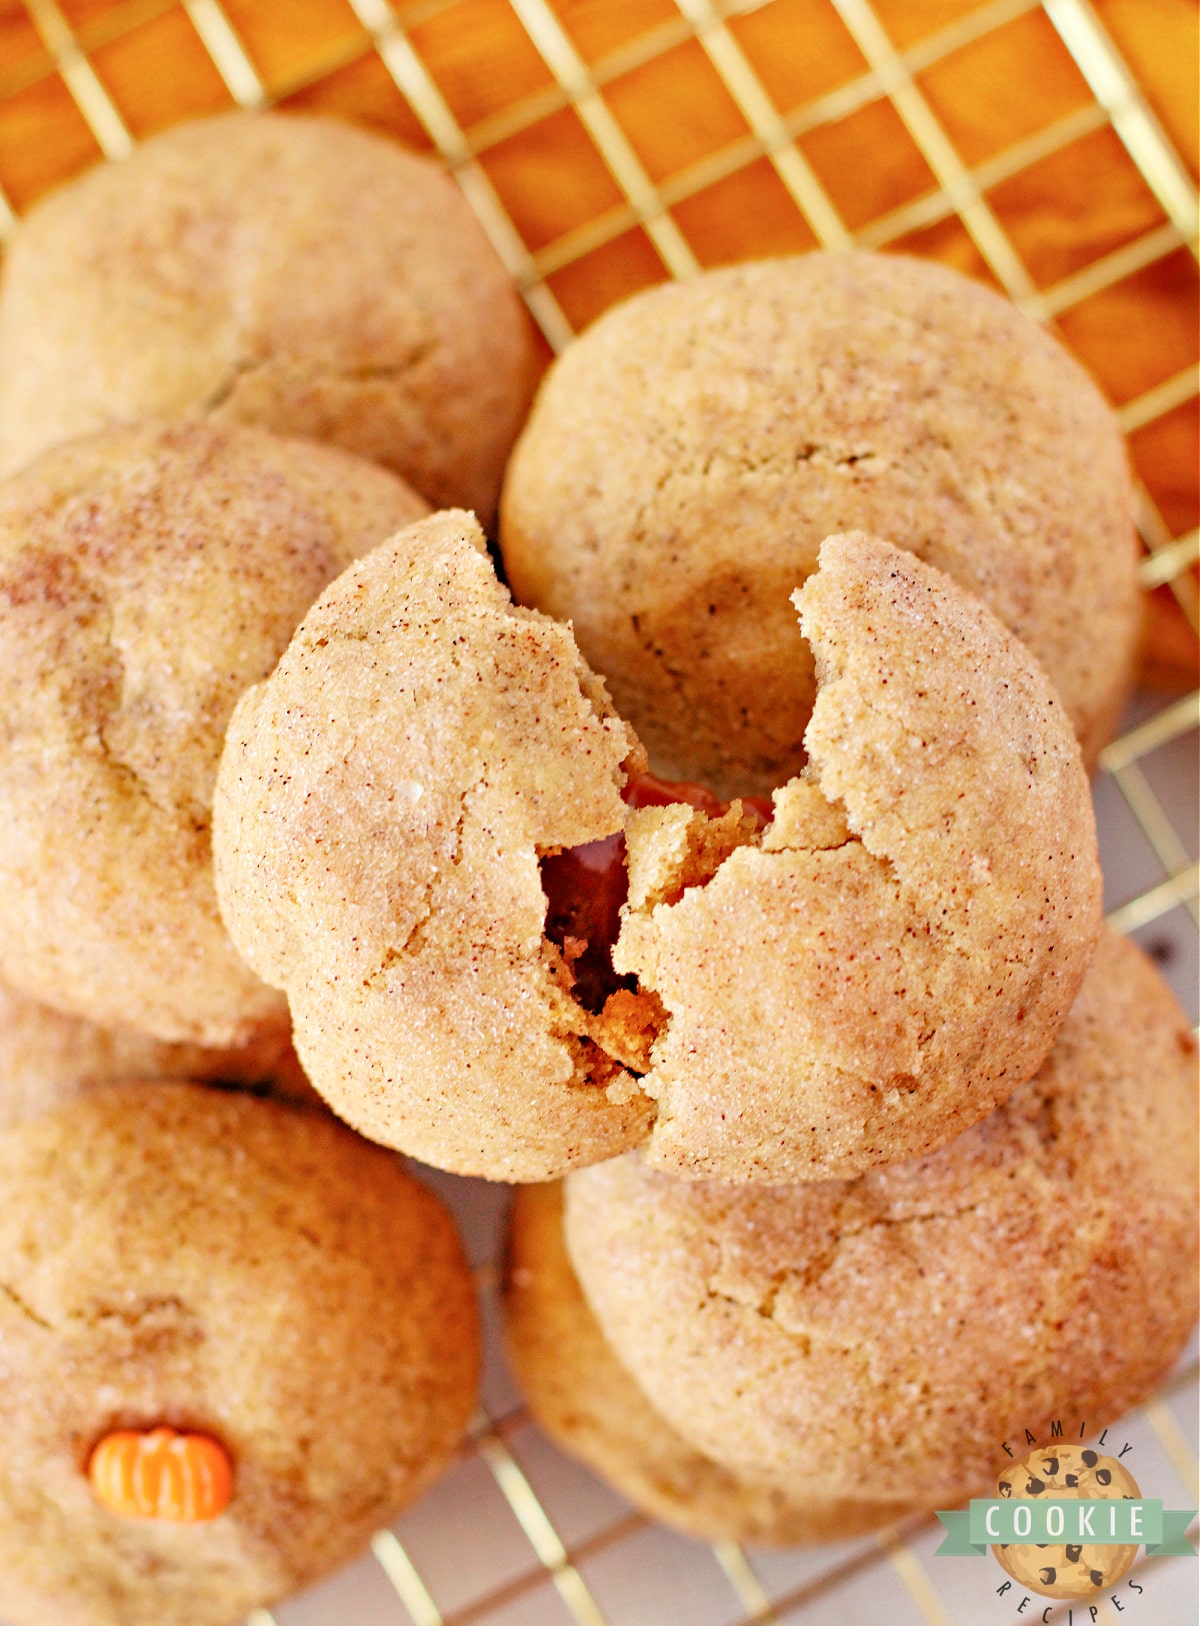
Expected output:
{"points": [[958, 1537], [1017, 1521], [1176, 1541]]}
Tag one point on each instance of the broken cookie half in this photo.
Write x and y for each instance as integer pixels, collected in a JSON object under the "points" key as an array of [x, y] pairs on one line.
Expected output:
{"points": [[511, 951]]}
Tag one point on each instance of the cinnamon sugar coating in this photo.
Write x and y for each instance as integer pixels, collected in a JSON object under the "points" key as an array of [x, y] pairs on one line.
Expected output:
{"points": [[880, 1336], [179, 1257], [899, 950], [147, 577], [382, 804], [593, 1407], [287, 271]]}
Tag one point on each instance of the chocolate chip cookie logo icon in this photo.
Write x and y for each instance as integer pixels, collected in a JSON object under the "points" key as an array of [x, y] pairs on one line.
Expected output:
{"points": [[1067, 1521], [1072, 1569]]}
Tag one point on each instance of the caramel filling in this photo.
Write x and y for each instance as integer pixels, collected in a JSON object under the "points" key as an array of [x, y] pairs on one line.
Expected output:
{"points": [[648, 790], [586, 886]]}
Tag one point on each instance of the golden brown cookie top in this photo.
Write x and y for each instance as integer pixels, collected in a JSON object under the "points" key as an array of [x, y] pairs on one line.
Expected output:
{"points": [[593, 1407], [287, 271], [382, 806], [686, 456], [183, 1258], [899, 948], [871, 973], [147, 577], [855, 1330]]}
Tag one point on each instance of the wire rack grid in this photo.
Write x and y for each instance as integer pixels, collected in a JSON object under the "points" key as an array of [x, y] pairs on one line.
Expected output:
{"points": [[516, 1534]]}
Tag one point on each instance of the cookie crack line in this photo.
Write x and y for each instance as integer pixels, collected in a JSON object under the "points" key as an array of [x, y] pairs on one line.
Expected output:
{"points": [[822, 453], [217, 397], [99, 610], [249, 366], [134, 1316], [30, 1314], [200, 820], [719, 464], [96, 739], [809, 451], [413, 942], [809, 1276]]}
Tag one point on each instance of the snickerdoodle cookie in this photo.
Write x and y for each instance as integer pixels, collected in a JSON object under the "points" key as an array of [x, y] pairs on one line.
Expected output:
{"points": [[286, 271], [587, 1401], [147, 577], [382, 804], [48, 1058], [864, 977], [183, 1261], [879, 1337], [686, 456]]}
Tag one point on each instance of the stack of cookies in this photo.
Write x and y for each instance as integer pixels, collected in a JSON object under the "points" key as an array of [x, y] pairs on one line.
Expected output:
{"points": [[731, 885]]}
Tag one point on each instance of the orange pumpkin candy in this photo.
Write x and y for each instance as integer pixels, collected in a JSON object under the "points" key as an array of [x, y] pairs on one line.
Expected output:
{"points": [[161, 1474]]}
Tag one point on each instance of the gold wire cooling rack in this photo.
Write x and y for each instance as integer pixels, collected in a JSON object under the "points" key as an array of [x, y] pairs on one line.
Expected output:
{"points": [[1042, 145]]}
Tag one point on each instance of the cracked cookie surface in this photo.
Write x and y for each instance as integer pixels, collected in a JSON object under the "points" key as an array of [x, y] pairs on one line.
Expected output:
{"points": [[880, 1335], [593, 1407], [686, 456], [382, 806], [899, 948], [291, 272], [186, 1258], [857, 982], [147, 577]]}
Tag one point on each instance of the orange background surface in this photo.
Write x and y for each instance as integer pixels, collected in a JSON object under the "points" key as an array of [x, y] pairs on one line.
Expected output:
{"points": [[1011, 100]]}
